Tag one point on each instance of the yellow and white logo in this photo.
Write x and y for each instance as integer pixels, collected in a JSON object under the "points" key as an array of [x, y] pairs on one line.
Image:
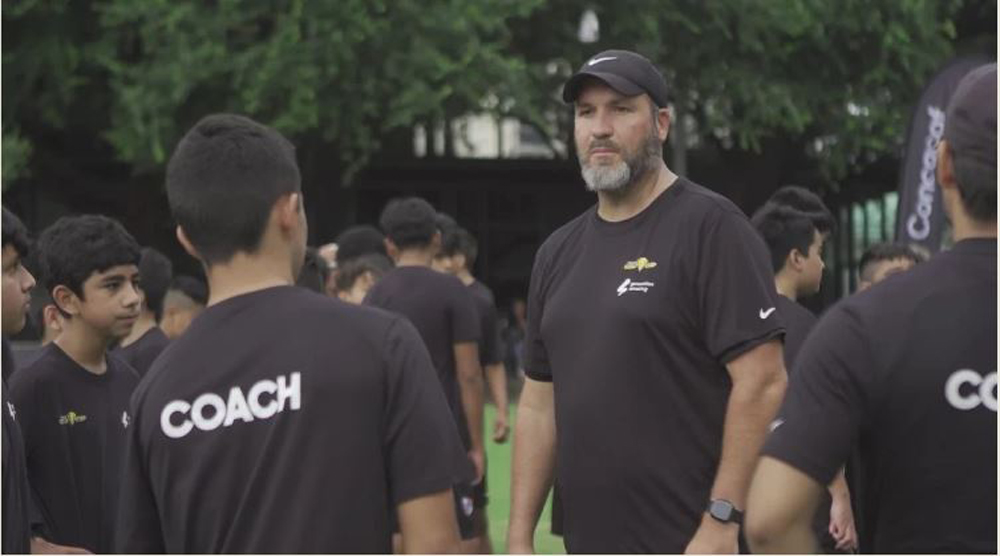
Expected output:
{"points": [[72, 418], [640, 264]]}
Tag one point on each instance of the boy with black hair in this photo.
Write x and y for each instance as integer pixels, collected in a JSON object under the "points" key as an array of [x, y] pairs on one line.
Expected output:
{"points": [[795, 224], [905, 372], [458, 256], [445, 315], [282, 420], [357, 241], [186, 299], [74, 396], [17, 283], [358, 275], [883, 260], [147, 340], [314, 273]]}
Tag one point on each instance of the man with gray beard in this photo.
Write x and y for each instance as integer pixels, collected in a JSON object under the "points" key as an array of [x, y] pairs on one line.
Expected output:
{"points": [[653, 342]]}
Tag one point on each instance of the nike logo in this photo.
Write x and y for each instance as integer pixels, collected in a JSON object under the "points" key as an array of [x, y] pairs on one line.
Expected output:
{"points": [[599, 60], [775, 424], [764, 314]]}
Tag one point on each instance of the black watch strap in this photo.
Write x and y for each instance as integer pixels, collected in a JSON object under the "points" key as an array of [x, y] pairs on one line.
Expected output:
{"points": [[724, 511]]}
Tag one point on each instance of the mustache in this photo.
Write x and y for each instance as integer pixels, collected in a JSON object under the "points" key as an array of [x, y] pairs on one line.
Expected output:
{"points": [[602, 144]]}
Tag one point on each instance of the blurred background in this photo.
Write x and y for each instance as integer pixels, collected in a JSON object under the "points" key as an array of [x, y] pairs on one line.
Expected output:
{"points": [[459, 102]]}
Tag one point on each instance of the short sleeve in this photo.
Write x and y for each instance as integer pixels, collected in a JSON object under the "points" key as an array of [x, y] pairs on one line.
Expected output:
{"points": [[736, 293], [138, 529], [465, 325], [825, 405], [536, 358], [424, 451]]}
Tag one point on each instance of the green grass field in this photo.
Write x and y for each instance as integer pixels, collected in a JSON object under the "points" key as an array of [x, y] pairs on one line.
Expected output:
{"points": [[498, 510]]}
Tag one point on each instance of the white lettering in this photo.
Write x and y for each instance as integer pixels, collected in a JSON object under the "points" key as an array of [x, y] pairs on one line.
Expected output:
{"points": [[263, 411], [237, 408], [291, 392], [985, 396], [918, 225], [286, 392], [169, 429]]}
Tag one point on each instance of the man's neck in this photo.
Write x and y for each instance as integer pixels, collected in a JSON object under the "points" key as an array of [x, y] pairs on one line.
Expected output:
{"points": [[466, 277], [144, 324], [967, 228], [245, 274], [785, 285], [84, 345], [415, 257], [616, 207]]}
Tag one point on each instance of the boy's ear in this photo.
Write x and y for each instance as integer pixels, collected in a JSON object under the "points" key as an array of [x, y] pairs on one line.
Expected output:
{"points": [[182, 238], [66, 300], [795, 259]]}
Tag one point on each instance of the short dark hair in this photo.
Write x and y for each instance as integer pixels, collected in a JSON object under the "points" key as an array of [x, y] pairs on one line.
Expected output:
{"points": [[76, 247], [193, 288], [409, 222], [449, 234], [357, 241], [314, 273], [884, 252], [808, 202], [375, 263], [15, 234], [155, 273], [784, 228], [223, 180], [468, 247]]}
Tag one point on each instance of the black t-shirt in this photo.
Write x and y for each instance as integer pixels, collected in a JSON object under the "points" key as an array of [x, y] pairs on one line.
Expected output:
{"points": [[798, 322], [489, 324], [16, 493], [73, 423], [907, 372], [444, 314], [634, 322], [141, 353], [284, 421]]}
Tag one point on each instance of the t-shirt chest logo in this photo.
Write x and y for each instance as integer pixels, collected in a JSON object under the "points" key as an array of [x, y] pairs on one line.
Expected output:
{"points": [[72, 418], [629, 285]]}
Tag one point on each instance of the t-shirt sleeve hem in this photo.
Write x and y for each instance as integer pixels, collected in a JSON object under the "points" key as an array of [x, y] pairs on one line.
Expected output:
{"points": [[423, 488], [534, 375], [731, 353], [815, 471]]}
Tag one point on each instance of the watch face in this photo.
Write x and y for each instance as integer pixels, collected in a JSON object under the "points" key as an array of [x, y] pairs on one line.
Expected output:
{"points": [[721, 510]]}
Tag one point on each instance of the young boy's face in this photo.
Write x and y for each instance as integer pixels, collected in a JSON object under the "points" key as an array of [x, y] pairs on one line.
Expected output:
{"points": [[17, 284], [111, 300]]}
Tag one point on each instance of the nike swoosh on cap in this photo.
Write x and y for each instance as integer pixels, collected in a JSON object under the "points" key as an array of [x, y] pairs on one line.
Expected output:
{"points": [[599, 60], [764, 314]]}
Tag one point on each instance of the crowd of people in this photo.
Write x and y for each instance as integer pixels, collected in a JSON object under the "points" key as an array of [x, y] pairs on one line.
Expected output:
{"points": [[331, 399]]}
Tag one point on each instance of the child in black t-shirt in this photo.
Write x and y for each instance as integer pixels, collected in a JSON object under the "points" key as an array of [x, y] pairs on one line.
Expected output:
{"points": [[73, 398]]}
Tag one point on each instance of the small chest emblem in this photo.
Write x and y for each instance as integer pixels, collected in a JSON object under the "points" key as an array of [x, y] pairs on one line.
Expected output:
{"points": [[72, 418], [629, 286], [640, 264]]}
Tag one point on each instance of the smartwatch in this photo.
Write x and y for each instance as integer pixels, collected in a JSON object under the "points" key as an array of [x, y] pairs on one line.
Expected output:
{"points": [[724, 511]]}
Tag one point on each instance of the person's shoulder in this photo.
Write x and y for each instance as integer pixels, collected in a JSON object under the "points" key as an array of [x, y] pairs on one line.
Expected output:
{"points": [[120, 369], [565, 236], [702, 201], [45, 368], [795, 311]]}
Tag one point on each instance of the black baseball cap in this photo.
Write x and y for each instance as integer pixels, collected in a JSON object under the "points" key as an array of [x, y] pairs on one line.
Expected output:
{"points": [[628, 73], [971, 125]]}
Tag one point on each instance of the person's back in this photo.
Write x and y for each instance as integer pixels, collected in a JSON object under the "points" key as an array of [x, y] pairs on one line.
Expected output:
{"points": [[270, 418]]}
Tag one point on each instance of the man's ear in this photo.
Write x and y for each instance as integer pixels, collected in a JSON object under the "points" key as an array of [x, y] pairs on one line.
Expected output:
{"points": [[289, 209], [391, 249], [795, 260], [182, 238], [66, 300], [946, 166], [436, 242], [662, 123]]}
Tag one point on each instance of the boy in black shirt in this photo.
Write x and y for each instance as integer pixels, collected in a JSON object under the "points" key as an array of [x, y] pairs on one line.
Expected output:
{"points": [[142, 346], [186, 298], [72, 400], [795, 224], [444, 314], [17, 284], [905, 371], [882, 260], [281, 420]]}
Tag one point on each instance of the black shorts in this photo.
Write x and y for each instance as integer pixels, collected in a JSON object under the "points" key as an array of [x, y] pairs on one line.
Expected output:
{"points": [[470, 507]]}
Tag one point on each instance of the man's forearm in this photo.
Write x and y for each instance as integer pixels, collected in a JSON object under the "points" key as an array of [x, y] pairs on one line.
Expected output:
{"points": [[470, 384], [497, 378], [532, 465], [752, 406]]}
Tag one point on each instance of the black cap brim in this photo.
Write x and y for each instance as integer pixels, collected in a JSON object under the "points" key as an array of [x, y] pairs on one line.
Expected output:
{"points": [[572, 88]]}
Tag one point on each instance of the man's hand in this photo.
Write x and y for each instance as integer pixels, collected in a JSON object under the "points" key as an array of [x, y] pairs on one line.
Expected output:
{"points": [[42, 546], [478, 459], [714, 537], [500, 427], [842, 524]]}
